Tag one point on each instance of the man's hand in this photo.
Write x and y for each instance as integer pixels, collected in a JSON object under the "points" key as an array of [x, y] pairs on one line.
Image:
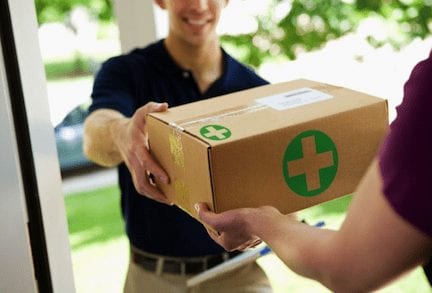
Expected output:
{"points": [[231, 229], [130, 137]]}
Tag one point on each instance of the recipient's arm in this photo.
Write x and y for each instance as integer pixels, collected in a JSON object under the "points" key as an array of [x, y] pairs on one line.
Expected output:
{"points": [[373, 246]]}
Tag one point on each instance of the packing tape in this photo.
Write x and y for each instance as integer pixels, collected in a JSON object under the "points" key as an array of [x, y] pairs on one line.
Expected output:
{"points": [[182, 193], [176, 147], [217, 116]]}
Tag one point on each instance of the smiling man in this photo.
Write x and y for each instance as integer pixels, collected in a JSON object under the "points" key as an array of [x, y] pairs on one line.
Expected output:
{"points": [[167, 245]]}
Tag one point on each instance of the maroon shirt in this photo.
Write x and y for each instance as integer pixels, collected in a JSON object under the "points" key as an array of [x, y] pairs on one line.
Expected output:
{"points": [[406, 154]]}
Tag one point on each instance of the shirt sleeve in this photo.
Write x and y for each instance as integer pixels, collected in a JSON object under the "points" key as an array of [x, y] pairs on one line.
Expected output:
{"points": [[113, 87], [406, 154]]}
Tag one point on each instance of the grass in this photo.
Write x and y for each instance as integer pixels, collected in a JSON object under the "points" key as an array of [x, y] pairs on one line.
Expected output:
{"points": [[94, 217], [100, 247], [98, 243]]}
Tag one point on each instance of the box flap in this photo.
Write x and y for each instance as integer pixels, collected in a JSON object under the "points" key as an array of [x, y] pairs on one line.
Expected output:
{"points": [[229, 118]]}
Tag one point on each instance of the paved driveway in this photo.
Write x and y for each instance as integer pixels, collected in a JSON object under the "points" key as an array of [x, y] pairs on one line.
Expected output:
{"points": [[88, 179]]}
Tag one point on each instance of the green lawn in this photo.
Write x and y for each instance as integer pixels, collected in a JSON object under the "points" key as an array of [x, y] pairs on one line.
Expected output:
{"points": [[99, 246]]}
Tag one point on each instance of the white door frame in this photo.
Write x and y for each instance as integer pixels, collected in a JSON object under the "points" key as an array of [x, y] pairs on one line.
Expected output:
{"points": [[34, 245], [136, 22], [140, 22]]}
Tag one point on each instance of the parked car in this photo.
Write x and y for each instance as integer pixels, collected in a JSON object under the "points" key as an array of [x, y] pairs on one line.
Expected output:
{"points": [[69, 140]]}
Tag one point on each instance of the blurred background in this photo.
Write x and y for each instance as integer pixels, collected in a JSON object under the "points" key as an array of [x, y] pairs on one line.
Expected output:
{"points": [[366, 45]]}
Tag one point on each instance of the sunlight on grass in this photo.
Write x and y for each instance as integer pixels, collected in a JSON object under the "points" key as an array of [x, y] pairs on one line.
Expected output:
{"points": [[101, 266], [96, 235], [100, 247]]}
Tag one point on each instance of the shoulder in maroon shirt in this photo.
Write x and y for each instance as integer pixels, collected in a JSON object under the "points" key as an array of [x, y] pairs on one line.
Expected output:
{"points": [[406, 154]]}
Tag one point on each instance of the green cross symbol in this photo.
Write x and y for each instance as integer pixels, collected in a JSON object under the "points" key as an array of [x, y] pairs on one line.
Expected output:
{"points": [[310, 163], [215, 132]]}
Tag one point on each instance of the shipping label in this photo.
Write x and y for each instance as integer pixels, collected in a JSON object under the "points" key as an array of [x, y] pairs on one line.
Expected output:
{"points": [[293, 99]]}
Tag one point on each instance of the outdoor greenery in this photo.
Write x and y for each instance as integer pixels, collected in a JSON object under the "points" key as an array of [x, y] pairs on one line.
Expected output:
{"points": [[289, 27], [59, 10]]}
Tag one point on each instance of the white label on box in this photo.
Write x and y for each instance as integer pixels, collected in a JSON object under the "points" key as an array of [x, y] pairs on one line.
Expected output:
{"points": [[294, 99]]}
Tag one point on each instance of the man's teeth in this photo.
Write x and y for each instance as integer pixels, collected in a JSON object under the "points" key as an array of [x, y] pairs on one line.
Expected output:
{"points": [[197, 22]]}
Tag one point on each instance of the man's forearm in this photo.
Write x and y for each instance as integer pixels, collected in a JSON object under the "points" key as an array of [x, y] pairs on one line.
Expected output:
{"points": [[100, 129]]}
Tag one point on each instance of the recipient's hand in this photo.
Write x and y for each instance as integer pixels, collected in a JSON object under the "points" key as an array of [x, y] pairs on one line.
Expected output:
{"points": [[231, 229], [132, 142]]}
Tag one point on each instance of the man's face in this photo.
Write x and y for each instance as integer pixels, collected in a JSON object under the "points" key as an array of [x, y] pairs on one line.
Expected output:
{"points": [[194, 21]]}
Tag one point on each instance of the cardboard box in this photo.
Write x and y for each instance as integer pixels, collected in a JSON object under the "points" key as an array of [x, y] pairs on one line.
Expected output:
{"points": [[291, 145]]}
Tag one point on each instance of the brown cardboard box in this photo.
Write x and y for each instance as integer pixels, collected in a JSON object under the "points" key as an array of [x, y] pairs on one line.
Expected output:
{"points": [[291, 145]]}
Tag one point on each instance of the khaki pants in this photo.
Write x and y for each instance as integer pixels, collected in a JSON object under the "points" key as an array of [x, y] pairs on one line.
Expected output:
{"points": [[247, 279]]}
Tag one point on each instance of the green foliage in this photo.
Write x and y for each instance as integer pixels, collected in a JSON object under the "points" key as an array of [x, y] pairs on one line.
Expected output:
{"points": [[289, 27], [308, 25], [58, 10], [77, 66]]}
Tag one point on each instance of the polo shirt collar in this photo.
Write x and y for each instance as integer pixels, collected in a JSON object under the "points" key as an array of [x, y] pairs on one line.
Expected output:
{"points": [[164, 62]]}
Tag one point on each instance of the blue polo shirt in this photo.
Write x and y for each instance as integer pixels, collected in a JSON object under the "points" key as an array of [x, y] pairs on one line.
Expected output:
{"points": [[129, 81]]}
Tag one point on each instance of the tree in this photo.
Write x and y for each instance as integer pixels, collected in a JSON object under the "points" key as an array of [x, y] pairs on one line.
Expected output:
{"points": [[309, 24], [289, 27], [48, 11], [59, 10]]}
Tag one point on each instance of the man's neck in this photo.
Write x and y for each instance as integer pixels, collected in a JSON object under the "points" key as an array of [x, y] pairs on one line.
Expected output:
{"points": [[194, 57], [205, 61]]}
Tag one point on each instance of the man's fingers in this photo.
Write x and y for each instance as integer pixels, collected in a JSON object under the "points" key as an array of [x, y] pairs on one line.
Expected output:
{"points": [[160, 107], [150, 165], [139, 154], [142, 182], [140, 115], [154, 107], [145, 188], [159, 196]]}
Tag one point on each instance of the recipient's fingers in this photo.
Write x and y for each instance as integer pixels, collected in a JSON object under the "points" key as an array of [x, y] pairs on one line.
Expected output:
{"points": [[212, 233], [204, 213], [215, 221]]}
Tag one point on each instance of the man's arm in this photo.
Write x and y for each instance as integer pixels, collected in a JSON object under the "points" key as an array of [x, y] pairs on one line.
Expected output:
{"points": [[111, 138], [100, 131], [373, 246]]}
